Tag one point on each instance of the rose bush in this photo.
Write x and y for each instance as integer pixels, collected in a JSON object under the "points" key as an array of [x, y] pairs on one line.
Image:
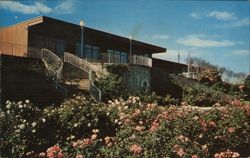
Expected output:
{"points": [[123, 128]]}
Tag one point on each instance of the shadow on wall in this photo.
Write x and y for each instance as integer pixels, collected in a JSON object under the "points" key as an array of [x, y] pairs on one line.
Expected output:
{"points": [[24, 79]]}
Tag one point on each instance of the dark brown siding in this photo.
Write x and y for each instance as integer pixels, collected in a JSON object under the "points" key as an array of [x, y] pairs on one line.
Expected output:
{"points": [[71, 34], [168, 66]]}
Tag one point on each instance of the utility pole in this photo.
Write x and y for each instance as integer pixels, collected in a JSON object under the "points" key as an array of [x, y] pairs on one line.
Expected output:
{"points": [[130, 49], [82, 24], [189, 65], [178, 57]]}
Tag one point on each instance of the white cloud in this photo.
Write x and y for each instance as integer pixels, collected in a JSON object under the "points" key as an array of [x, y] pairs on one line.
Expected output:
{"points": [[64, 7], [36, 8], [222, 15], [242, 22], [202, 40], [240, 52], [165, 36], [195, 15]]}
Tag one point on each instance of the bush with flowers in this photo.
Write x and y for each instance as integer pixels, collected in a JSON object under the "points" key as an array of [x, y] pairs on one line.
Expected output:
{"points": [[81, 128], [20, 128]]}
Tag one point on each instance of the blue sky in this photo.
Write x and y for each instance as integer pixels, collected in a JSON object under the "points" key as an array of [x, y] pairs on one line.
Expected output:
{"points": [[217, 31]]}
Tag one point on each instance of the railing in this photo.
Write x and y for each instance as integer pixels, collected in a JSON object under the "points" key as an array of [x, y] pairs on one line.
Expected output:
{"points": [[87, 67], [53, 64], [95, 92], [123, 59], [141, 60], [120, 59], [80, 63], [114, 58]]}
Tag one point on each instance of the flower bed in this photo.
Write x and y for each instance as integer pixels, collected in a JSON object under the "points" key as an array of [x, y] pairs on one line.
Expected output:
{"points": [[122, 128]]}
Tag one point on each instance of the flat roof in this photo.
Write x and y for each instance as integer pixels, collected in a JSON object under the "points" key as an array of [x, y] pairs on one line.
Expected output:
{"points": [[41, 19]]}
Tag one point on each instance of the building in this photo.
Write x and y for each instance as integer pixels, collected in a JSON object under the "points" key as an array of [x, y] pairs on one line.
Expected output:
{"points": [[69, 42], [60, 36]]}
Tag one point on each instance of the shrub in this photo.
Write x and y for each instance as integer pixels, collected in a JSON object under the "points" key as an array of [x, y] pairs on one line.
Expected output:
{"points": [[247, 86], [20, 126], [123, 128], [113, 84]]}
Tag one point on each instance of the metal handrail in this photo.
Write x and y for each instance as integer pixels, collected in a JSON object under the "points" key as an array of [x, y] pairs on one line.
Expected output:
{"points": [[141, 60], [121, 59], [87, 67], [95, 92], [52, 59]]}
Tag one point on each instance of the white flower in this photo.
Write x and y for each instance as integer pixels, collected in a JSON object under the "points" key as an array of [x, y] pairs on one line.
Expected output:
{"points": [[108, 113], [20, 106], [72, 137], [116, 120], [17, 131], [43, 120], [19, 103], [33, 124], [24, 121], [95, 130], [89, 124], [8, 106], [8, 111], [7, 102], [125, 107], [75, 125], [22, 126], [27, 101], [33, 131], [201, 135]]}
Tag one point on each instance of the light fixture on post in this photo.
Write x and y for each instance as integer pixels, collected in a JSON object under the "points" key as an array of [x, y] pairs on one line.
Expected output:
{"points": [[82, 24], [130, 49]]}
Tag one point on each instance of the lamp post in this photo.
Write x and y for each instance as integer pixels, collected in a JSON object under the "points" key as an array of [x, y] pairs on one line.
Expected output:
{"points": [[82, 24], [130, 49]]}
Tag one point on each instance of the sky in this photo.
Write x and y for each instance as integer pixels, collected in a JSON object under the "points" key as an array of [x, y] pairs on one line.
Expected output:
{"points": [[217, 31]]}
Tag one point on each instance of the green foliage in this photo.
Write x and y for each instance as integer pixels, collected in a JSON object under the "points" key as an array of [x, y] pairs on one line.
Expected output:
{"points": [[20, 126], [198, 94], [247, 86], [220, 86], [118, 69], [148, 97], [114, 84], [209, 76], [122, 128]]}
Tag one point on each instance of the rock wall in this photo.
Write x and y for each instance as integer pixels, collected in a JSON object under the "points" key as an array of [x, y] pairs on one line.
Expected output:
{"points": [[139, 78]]}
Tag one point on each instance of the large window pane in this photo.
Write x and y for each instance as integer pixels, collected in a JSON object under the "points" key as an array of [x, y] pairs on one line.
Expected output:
{"points": [[87, 51], [95, 52]]}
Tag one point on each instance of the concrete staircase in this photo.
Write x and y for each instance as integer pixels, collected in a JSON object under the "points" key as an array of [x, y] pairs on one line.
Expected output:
{"points": [[89, 68], [75, 79]]}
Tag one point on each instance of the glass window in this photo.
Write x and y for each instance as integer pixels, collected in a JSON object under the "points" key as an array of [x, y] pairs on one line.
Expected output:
{"points": [[60, 48], [110, 51], [95, 52], [117, 56], [78, 49], [87, 52], [124, 57]]}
